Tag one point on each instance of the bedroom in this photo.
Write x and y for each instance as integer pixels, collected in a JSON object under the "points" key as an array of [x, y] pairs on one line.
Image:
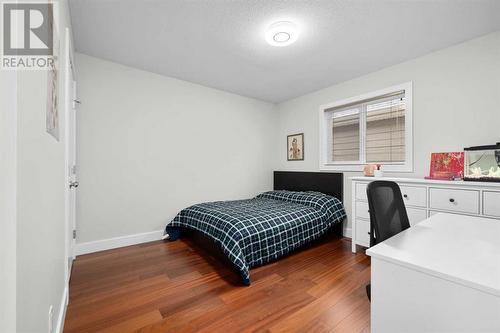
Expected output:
{"points": [[167, 107]]}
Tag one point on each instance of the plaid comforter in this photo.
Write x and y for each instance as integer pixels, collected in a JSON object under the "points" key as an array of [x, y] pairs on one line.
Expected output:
{"points": [[255, 231]]}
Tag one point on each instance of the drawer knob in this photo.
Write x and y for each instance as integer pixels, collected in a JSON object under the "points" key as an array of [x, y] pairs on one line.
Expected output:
{"points": [[452, 200], [405, 196]]}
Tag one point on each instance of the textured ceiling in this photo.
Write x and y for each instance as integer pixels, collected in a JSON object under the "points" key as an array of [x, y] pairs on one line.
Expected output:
{"points": [[220, 43]]}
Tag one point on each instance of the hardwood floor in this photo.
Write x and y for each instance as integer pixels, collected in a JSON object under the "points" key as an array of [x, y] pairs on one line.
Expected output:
{"points": [[174, 287]]}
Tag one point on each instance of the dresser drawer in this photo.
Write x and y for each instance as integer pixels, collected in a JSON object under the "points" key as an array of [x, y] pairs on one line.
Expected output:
{"points": [[491, 203], [464, 201], [362, 210], [361, 191], [416, 215], [362, 232], [414, 196]]}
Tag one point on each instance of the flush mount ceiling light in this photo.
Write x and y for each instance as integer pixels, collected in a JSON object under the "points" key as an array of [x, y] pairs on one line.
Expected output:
{"points": [[282, 33]]}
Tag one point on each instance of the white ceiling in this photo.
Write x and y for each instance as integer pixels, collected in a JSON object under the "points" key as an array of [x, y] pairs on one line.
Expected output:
{"points": [[220, 43]]}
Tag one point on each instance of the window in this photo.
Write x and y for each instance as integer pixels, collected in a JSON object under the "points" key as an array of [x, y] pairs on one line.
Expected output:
{"points": [[372, 128]]}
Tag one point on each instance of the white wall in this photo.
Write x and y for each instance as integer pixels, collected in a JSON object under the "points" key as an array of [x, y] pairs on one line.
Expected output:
{"points": [[8, 137], [150, 145], [40, 198], [456, 103]]}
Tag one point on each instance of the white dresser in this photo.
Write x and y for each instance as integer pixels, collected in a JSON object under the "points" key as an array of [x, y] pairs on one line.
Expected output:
{"points": [[424, 198]]}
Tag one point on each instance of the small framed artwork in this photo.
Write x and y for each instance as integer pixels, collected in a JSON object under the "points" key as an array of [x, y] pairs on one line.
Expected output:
{"points": [[52, 109], [295, 147]]}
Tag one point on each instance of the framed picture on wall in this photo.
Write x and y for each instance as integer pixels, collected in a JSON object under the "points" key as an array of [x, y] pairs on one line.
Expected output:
{"points": [[295, 147], [52, 110]]}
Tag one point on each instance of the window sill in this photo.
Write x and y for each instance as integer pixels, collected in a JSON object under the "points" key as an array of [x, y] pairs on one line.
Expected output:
{"points": [[359, 167]]}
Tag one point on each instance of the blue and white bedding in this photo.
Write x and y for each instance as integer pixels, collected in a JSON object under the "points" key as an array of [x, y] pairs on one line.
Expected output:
{"points": [[255, 231]]}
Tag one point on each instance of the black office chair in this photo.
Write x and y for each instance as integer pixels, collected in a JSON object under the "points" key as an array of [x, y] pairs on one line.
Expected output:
{"points": [[388, 215]]}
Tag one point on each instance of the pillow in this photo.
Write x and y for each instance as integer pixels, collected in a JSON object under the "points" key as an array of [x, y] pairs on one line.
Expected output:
{"points": [[321, 201]]}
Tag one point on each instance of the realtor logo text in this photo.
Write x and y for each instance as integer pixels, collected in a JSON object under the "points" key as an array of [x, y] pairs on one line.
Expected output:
{"points": [[27, 35]]}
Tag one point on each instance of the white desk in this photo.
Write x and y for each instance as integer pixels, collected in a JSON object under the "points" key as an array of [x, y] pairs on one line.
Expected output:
{"points": [[441, 275]]}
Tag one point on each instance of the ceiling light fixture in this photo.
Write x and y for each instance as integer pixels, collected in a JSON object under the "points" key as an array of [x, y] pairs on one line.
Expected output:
{"points": [[282, 33]]}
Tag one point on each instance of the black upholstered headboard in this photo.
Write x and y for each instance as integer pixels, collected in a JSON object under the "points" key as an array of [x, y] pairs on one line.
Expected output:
{"points": [[324, 182]]}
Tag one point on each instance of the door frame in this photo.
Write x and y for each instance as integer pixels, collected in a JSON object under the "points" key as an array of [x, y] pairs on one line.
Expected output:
{"points": [[70, 77]]}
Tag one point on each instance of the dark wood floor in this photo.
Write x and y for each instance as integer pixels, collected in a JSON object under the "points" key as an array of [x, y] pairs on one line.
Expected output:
{"points": [[172, 287]]}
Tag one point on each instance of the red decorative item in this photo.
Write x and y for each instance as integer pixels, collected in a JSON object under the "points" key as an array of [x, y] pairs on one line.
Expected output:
{"points": [[447, 166]]}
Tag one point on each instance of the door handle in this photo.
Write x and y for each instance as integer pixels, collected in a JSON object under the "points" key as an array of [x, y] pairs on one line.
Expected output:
{"points": [[73, 184]]}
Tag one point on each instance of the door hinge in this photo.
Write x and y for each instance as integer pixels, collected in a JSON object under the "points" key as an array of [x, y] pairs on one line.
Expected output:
{"points": [[74, 234]]}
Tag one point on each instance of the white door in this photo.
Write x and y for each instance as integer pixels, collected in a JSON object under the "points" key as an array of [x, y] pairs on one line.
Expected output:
{"points": [[70, 160], [72, 169]]}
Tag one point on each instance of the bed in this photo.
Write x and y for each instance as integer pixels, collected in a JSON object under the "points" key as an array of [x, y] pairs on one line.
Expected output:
{"points": [[302, 207]]}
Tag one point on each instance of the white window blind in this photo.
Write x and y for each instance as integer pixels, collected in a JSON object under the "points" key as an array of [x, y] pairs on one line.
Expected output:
{"points": [[369, 131], [385, 130], [345, 135]]}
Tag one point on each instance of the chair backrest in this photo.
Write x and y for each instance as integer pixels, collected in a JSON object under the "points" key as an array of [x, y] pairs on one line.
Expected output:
{"points": [[388, 215]]}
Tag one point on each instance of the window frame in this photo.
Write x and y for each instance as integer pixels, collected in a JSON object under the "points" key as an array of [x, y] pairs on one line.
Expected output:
{"points": [[325, 137]]}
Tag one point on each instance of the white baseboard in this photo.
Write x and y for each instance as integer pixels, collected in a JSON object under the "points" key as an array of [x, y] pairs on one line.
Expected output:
{"points": [[62, 310], [116, 242], [348, 232]]}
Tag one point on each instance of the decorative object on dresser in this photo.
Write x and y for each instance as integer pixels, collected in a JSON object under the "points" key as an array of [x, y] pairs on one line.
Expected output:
{"points": [[378, 171], [373, 170], [423, 198], [482, 163], [369, 169], [295, 147], [447, 166]]}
